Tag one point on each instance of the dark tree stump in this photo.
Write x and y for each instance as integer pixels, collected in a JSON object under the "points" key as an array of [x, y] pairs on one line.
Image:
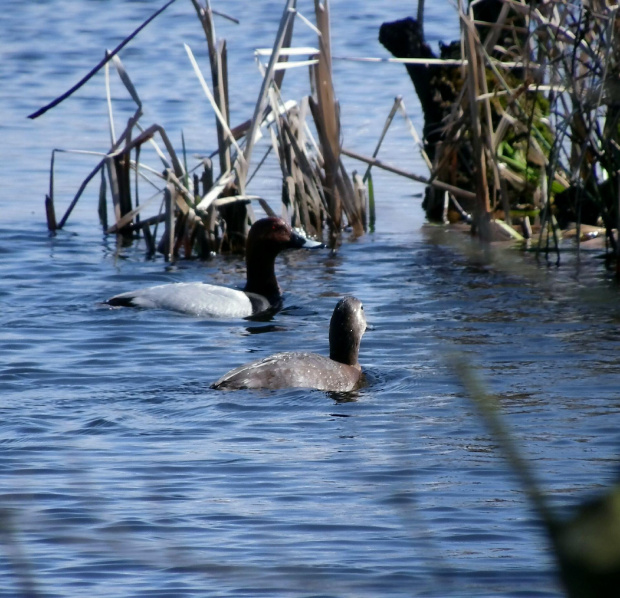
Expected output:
{"points": [[404, 39], [437, 89]]}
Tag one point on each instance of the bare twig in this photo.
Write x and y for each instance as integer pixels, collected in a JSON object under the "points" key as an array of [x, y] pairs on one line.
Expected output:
{"points": [[106, 59], [414, 177]]}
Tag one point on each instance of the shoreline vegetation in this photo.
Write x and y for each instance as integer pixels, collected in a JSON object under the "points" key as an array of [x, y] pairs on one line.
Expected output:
{"points": [[523, 111], [521, 136]]}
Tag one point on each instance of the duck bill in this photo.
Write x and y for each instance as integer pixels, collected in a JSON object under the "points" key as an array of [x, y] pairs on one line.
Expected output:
{"points": [[299, 240]]}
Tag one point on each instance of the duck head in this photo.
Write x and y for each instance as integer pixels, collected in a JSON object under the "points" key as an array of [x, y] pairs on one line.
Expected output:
{"points": [[346, 328], [267, 237]]}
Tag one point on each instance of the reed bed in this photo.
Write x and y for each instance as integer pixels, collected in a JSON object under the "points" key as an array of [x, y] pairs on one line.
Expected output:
{"points": [[206, 207], [522, 112], [521, 135]]}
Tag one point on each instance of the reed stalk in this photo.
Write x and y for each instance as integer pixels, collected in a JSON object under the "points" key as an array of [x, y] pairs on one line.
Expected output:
{"points": [[482, 212], [410, 175], [286, 22], [217, 60], [316, 187], [108, 56]]}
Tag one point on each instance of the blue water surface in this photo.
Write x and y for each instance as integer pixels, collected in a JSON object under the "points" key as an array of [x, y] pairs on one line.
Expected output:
{"points": [[123, 474]]}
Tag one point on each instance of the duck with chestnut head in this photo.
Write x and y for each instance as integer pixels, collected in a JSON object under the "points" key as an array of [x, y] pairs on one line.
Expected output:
{"points": [[266, 239]]}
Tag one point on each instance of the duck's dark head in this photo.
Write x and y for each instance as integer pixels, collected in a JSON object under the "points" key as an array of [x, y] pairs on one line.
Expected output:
{"points": [[267, 237], [346, 328], [272, 235]]}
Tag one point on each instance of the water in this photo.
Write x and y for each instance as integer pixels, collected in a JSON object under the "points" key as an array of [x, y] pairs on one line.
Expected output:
{"points": [[122, 473]]}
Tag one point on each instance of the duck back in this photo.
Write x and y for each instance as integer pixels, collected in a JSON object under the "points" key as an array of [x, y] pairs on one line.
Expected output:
{"points": [[293, 370]]}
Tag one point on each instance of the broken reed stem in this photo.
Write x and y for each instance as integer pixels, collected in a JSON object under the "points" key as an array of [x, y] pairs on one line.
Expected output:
{"points": [[283, 57], [218, 80], [230, 138], [114, 188], [508, 65], [169, 194], [108, 94], [474, 71], [414, 133], [222, 97], [386, 126], [49, 198], [137, 179], [285, 23], [324, 112], [414, 177], [50, 214]]}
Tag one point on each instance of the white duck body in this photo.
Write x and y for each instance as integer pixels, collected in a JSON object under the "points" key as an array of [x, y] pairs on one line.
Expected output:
{"points": [[196, 299]]}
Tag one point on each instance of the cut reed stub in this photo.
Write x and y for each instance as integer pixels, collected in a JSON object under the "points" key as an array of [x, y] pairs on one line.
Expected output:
{"points": [[50, 214]]}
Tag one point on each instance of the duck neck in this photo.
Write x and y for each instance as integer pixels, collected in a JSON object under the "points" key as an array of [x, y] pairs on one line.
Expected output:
{"points": [[261, 276], [344, 352]]}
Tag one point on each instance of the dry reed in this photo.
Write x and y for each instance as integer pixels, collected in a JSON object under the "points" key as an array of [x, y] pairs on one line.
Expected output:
{"points": [[203, 213]]}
